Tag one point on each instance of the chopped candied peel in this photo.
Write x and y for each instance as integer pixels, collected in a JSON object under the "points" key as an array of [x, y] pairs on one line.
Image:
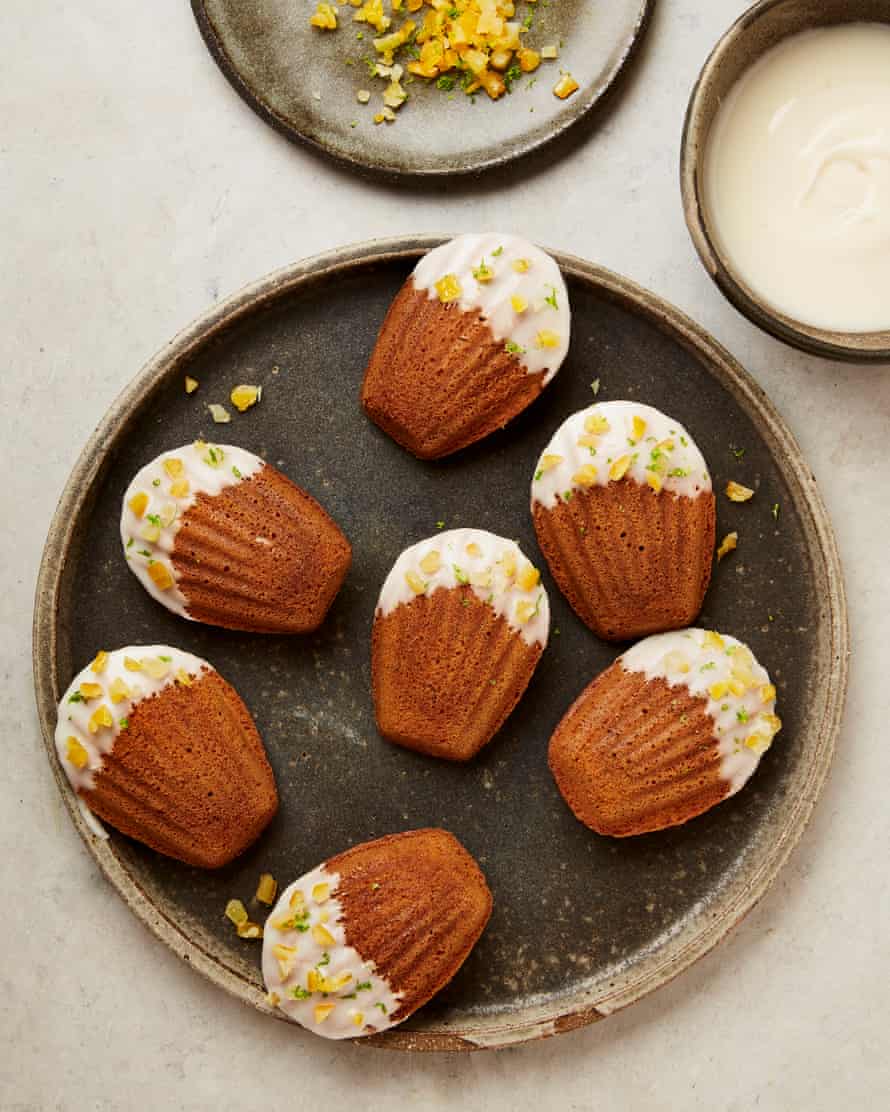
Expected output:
{"points": [[596, 424], [729, 542], [735, 492], [267, 889], [100, 662], [236, 912], [458, 45], [76, 753], [620, 468], [448, 288], [160, 575], [431, 563], [219, 413], [325, 18], [566, 84], [244, 396], [191, 384], [138, 504], [586, 476], [249, 930]]}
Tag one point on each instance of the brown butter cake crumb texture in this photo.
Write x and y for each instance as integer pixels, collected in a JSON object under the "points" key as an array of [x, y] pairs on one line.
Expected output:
{"points": [[189, 776]]}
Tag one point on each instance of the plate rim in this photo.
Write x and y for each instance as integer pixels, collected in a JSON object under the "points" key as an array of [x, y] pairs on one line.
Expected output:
{"points": [[559, 1014], [606, 83]]}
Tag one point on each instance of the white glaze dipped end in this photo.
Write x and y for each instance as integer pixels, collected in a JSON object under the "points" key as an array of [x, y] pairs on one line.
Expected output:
{"points": [[523, 296], [311, 973], [493, 567], [168, 486], [114, 682], [611, 440], [741, 698]]}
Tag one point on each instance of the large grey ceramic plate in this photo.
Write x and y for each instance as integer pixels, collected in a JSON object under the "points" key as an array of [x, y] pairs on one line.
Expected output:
{"points": [[304, 83], [582, 925]]}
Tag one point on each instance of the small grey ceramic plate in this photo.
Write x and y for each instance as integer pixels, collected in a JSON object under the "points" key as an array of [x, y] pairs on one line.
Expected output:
{"points": [[761, 27], [582, 925], [304, 83]]}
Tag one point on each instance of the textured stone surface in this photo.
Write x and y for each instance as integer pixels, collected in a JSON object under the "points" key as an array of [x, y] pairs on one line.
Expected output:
{"points": [[136, 190]]}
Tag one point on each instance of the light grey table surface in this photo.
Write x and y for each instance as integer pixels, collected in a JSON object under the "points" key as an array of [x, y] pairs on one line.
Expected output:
{"points": [[135, 190]]}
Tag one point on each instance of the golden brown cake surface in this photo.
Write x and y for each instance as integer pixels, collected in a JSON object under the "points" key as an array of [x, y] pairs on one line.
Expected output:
{"points": [[361, 941], [414, 904], [633, 755], [631, 562], [261, 556], [188, 776], [447, 671], [678, 723], [438, 380]]}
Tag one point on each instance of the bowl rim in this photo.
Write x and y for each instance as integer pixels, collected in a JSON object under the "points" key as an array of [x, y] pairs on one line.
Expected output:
{"points": [[851, 347], [653, 969]]}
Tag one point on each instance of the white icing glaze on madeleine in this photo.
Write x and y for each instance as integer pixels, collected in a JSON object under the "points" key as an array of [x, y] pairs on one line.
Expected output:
{"points": [[611, 440], [101, 698], [165, 489], [741, 698], [494, 567], [311, 973], [517, 288]]}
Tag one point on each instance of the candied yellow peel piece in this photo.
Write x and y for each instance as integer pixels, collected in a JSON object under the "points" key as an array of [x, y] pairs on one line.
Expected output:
{"points": [[448, 288], [358, 1018], [549, 461], [138, 503], [431, 563], [191, 384], [639, 428], [90, 690], [735, 492], [767, 692], [473, 549], [321, 892], [518, 303], [160, 575], [713, 640], [729, 542], [325, 18], [76, 753], [100, 662], [524, 611], [585, 476], [179, 488], [596, 424], [322, 1011], [101, 718], [547, 338], [249, 930], [132, 665], [522, 266], [322, 935], [244, 396], [566, 84], [620, 468], [528, 578], [654, 481], [414, 581], [266, 889], [174, 467], [155, 667], [236, 912]]}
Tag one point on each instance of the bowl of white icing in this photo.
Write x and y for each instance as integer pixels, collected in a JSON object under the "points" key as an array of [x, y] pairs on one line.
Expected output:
{"points": [[785, 172]]}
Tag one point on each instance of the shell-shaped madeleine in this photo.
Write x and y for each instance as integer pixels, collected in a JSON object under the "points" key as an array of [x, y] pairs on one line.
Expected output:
{"points": [[365, 939], [625, 515], [475, 334], [460, 626], [219, 536], [158, 745], [676, 725]]}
